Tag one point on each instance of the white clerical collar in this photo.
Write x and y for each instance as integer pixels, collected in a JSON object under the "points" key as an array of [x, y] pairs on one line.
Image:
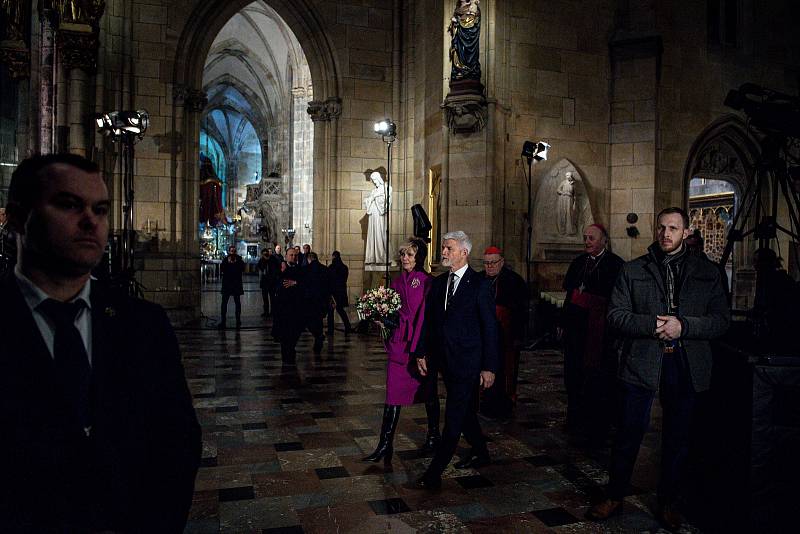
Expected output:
{"points": [[599, 255]]}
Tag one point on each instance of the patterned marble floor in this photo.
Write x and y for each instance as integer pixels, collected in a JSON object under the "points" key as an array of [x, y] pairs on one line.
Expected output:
{"points": [[282, 448]]}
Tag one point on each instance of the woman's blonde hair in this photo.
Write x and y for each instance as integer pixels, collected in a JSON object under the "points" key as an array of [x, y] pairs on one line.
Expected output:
{"points": [[420, 252]]}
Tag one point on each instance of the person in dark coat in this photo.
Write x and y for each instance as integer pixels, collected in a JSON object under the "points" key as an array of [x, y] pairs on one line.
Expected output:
{"points": [[317, 291], [667, 305], [98, 429], [511, 309], [275, 267], [231, 270], [338, 273], [459, 337], [290, 319], [589, 357], [266, 279]]}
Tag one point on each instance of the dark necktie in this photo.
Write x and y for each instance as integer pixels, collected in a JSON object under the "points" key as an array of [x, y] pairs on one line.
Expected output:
{"points": [[451, 288], [71, 361]]}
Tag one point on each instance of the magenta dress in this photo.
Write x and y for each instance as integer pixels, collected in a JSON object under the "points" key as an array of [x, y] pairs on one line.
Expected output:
{"points": [[402, 378]]}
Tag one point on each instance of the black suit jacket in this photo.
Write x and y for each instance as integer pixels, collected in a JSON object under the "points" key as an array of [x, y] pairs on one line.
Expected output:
{"points": [[462, 340], [136, 471], [316, 288]]}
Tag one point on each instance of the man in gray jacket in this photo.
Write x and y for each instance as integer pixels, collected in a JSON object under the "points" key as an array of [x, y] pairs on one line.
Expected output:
{"points": [[666, 305]]}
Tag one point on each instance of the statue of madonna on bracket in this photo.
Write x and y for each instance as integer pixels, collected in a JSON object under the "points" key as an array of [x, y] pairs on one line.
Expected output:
{"points": [[465, 104]]}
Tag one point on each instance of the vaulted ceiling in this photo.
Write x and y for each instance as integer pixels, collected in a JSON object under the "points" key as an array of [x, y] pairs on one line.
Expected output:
{"points": [[251, 69]]}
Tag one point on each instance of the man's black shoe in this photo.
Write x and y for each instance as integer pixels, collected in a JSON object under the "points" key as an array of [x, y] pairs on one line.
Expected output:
{"points": [[428, 482], [473, 461]]}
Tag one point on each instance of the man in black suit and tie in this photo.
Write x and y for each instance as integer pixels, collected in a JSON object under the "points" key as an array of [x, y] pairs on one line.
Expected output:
{"points": [[98, 429], [459, 339]]}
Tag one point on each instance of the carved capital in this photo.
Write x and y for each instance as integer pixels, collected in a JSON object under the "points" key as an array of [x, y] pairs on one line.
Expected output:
{"points": [[325, 111], [194, 100], [77, 47], [17, 59], [465, 113]]}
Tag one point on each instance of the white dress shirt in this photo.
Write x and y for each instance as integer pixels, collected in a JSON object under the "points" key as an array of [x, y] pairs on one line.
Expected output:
{"points": [[34, 296]]}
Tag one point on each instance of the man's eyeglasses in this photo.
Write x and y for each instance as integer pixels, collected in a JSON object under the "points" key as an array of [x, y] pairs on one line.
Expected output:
{"points": [[490, 263]]}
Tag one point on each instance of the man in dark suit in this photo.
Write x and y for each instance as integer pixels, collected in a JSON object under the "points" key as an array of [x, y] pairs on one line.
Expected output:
{"points": [[459, 339], [317, 289], [232, 269], [667, 305], [290, 317], [99, 433]]}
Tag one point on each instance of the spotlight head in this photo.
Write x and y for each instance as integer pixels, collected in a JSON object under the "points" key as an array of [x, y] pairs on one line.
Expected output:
{"points": [[528, 148], [118, 123], [537, 151], [134, 122], [105, 122], [385, 127], [541, 151]]}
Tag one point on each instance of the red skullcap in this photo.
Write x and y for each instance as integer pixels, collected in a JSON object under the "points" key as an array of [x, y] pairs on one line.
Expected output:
{"points": [[493, 250], [601, 228]]}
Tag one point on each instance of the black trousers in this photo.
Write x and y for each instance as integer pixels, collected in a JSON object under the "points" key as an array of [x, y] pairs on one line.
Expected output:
{"points": [[342, 314], [265, 296], [460, 416], [677, 397], [291, 329], [237, 303]]}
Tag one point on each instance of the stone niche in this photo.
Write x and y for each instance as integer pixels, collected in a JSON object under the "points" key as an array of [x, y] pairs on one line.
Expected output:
{"points": [[558, 222]]}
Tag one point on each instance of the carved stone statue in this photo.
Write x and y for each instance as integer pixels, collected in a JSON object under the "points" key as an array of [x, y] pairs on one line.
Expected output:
{"points": [[567, 212], [375, 204], [465, 31]]}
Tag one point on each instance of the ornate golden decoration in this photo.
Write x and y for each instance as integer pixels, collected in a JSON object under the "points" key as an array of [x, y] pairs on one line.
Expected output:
{"points": [[79, 11]]}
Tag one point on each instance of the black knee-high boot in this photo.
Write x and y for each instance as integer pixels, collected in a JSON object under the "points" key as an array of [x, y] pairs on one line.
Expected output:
{"points": [[385, 447], [434, 437]]}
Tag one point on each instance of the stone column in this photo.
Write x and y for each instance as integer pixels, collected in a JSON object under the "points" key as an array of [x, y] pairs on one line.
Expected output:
{"points": [[46, 85], [325, 115], [77, 46]]}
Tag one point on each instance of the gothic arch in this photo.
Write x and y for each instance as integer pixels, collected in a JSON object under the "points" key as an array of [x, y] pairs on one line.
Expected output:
{"points": [[194, 45], [727, 151]]}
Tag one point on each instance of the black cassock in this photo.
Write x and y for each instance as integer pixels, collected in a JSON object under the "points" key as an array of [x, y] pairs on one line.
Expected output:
{"points": [[589, 362]]}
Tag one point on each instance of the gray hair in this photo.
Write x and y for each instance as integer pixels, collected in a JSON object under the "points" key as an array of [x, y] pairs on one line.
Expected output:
{"points": [[462, 238]]}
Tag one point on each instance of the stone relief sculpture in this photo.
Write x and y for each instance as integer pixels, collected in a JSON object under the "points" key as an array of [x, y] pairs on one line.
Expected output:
{"points": [[566, 205], [375, 204], [465, 32], [561, 210]]}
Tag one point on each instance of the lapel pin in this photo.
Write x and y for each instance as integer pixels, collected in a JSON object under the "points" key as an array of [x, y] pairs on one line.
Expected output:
{"points": [[110, 312]]}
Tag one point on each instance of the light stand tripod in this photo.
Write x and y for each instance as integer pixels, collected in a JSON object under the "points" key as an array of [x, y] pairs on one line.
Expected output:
{"points": [[126, 128]]}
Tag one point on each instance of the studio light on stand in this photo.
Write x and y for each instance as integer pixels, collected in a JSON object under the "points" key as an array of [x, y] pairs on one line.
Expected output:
{"points": [[126, 128], [531, 152], [387, 129]]}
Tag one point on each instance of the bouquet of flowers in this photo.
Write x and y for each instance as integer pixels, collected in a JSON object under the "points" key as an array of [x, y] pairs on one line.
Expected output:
{"points": [[381, 304]]}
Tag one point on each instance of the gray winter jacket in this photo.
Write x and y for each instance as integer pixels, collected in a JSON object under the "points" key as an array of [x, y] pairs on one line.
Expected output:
{"points": [[639, 295]]}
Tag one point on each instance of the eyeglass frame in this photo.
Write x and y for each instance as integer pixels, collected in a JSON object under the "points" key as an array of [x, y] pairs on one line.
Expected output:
{"points": [[489, 263]]}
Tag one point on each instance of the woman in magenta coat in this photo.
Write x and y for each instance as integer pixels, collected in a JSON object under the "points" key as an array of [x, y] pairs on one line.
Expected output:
{"points": [[404, 386]]}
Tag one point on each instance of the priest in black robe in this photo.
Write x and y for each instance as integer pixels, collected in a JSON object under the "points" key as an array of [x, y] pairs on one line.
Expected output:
{"points": [[511, 309], [589, 360]]}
